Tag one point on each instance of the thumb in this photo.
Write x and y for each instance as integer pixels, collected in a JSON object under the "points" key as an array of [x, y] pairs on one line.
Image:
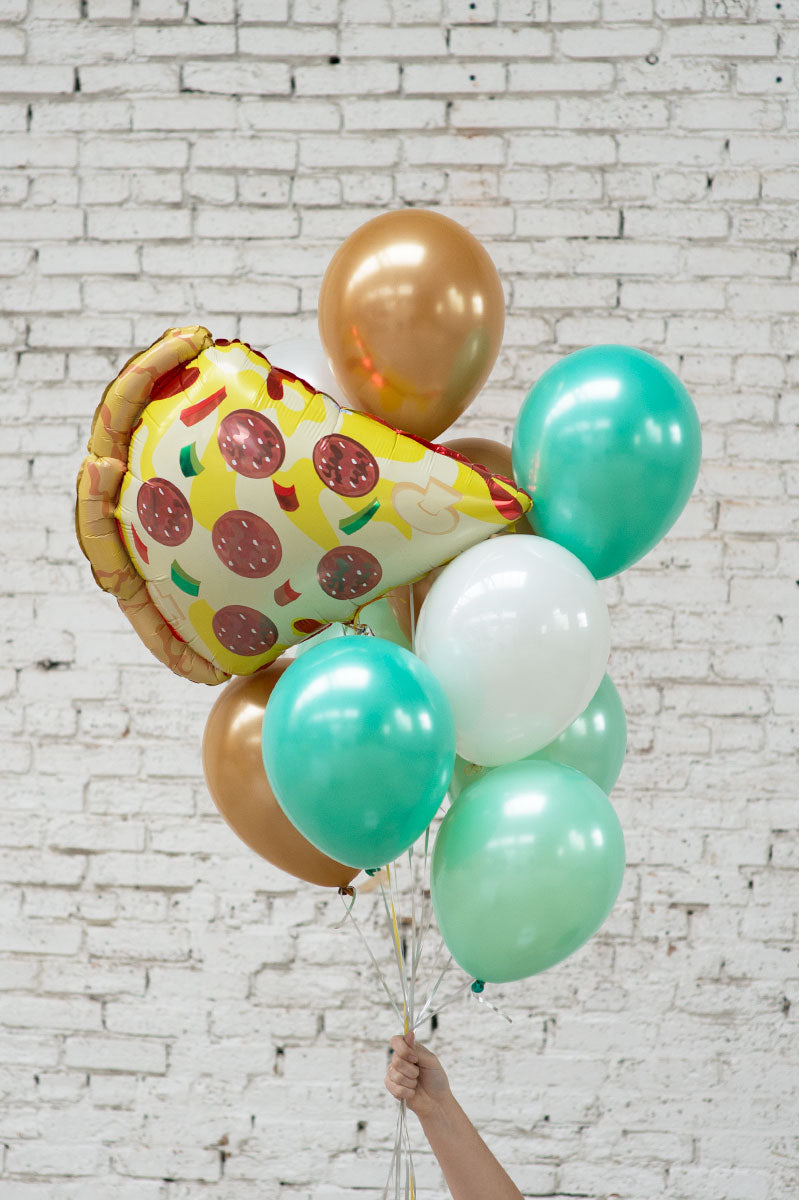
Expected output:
{"points": [[409, 1038]]}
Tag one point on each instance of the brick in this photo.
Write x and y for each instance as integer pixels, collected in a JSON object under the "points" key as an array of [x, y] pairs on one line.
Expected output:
{"points": [[28, 80], [371, 78], [507, 44], [613, 114], [501, 113], [669, 76], [393, 114], [451, 78], [406, 42], [240, 78], [608, 43], [185, 113], [556, 78], [720, 41], [116, 1054], [165, 41], [561, 149]]}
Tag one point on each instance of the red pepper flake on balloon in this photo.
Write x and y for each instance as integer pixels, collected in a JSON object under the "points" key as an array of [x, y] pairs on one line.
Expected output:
{"points": [[196, 412], [286, 496], [179, 379], [243, 630], [277, 377], [508, 506], [274, 385], [286, 594], [164, 512], [141, 549], [246, 544], [308, 625]]}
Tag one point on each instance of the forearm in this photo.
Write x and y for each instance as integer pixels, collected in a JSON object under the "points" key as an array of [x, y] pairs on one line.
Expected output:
{"points": [[470, 1169]]}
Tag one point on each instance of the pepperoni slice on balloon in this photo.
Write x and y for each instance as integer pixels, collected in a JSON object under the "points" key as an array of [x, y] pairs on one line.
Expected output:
{"points": [[246, 544], [244, 630], [345, 466], [251, 444], [172, 383], [506, 504], [164, 512], [347, 572]]}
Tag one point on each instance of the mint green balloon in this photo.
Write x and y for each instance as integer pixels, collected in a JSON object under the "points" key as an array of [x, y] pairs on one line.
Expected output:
{"points": [[526, 867], [377, 616], [594, 744], [608, 444], [358, 744]]}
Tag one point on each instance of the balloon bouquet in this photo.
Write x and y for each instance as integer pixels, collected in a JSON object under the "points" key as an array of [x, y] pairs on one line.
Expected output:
{"points": [[238, 504]]}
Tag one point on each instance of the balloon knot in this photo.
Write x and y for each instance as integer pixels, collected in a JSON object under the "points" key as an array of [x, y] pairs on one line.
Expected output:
{"points": [[478, 986], [371, 870], [346, 891]]}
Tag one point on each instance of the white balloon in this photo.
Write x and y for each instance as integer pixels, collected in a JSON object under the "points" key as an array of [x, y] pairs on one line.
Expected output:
{"points": [[305, 357], [517, 632]]}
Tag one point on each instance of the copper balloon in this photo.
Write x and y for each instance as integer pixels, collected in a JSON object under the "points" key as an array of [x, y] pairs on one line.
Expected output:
{"points": [[411, 314], [399, 599], [234, 772], [483, 452]]}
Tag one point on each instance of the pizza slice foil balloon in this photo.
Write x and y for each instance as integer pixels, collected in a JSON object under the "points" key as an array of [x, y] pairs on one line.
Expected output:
{"points": [[233, 510]]}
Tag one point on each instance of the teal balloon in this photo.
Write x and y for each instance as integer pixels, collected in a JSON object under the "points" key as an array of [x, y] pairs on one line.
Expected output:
{"points": [[358, 745], [377, 616], [594, 744], [526, 867], [608, 443]]}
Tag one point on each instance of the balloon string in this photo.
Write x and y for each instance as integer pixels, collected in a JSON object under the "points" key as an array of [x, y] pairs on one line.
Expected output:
{"points": [[426, 903], [392, 920], [451, 999], [480, 998], [410, 1189], [375, 964], [394, 1167], [412, 607], [432, 996], [411, 969], [433, 967]]}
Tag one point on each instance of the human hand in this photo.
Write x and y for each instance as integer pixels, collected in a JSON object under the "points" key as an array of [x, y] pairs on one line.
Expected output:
{"points": [[416, 1076]]}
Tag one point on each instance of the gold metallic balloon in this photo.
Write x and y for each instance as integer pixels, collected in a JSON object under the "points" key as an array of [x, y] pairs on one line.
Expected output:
{"points": [[411, 314], [234, 772], [483, 452]]}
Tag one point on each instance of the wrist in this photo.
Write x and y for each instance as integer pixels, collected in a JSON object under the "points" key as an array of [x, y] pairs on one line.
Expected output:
{"points": [[439, 1114]]}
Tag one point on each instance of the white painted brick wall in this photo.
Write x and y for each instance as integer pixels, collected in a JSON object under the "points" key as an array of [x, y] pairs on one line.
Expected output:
{"points": [[178, 1020]]}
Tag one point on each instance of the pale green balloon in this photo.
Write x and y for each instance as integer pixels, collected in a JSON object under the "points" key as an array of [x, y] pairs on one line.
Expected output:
{"points": [[526, 867], [377, 616], [594, 744]]}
